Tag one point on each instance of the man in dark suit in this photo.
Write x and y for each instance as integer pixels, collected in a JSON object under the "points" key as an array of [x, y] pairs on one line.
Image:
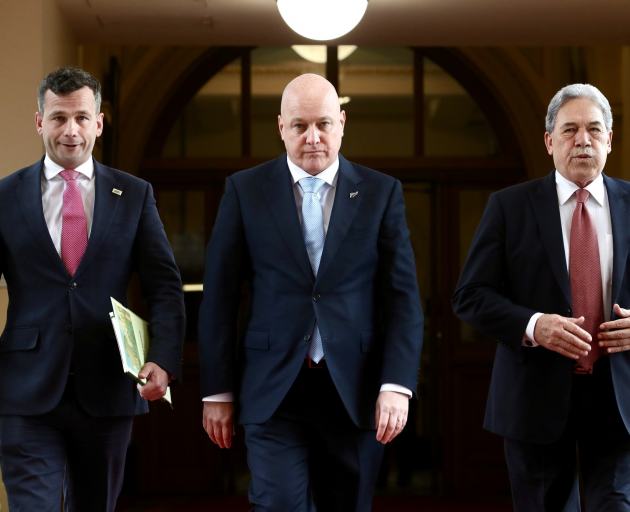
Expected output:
{"points": [[334, 323], [546, 274], [72, 232]]}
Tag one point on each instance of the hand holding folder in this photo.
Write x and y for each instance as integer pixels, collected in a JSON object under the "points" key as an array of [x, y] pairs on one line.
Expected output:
{"points": [[132, 335]]}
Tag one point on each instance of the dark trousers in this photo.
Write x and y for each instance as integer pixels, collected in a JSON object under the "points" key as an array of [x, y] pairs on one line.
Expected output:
{"points": [[545, 477], [309, 455], [63, 452]]}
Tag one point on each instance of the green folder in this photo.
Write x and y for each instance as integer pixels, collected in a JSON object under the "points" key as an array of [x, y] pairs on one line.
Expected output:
{"points": [[132, 335]]}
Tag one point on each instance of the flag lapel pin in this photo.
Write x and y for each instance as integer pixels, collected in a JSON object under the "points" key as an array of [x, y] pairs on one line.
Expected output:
{"points": [[117, 192]]}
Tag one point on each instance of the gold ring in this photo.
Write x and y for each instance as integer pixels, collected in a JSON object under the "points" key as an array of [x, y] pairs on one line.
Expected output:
{"points": [[399, 421]]}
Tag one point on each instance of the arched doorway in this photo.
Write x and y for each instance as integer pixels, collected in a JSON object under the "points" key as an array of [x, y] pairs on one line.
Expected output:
{"points": [[422, 115]]}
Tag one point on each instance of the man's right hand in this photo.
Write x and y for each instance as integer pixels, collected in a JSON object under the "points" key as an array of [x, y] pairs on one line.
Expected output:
{"points": [[563, 335], [218, 422]]}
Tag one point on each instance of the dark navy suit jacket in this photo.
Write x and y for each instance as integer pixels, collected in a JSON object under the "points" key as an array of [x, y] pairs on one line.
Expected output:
{"points": [[517, 267], [54, 319], [365, 296]]}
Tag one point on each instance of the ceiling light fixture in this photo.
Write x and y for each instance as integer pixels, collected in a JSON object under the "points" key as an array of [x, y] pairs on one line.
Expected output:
{"points": [[322, 20], [317, 53]]}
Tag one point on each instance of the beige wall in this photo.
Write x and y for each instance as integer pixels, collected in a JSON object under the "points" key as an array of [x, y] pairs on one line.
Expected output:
{"points": [[624, 139], [35, 40]]}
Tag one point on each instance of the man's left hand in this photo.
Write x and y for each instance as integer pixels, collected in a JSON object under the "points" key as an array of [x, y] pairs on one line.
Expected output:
{"points": [[157, 382], [619, 339], [391, 415]]}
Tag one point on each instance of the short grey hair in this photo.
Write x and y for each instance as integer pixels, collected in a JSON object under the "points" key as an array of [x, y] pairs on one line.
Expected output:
{"points": [[575, 91], [68, 80]]}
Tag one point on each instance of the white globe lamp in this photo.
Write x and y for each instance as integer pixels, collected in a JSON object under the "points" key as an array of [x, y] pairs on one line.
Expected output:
{"points": [[322, 20]]}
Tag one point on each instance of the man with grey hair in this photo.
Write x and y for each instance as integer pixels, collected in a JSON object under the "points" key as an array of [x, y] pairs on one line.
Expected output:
{"points": [[547, 277]]}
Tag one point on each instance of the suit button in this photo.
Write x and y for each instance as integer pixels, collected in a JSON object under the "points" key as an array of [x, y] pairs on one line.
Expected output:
{"points": [[68, 328], [307, 337], [317, 297], [73, 286]]}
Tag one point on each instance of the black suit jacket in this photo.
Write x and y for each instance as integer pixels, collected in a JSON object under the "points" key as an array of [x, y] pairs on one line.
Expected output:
{"points": [[365, 296], [517, 267], [54, 319]]}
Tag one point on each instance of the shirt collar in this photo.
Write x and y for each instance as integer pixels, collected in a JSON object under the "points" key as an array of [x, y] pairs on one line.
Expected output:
{"points": [[51, 169], [566, 188], [329, 175]]}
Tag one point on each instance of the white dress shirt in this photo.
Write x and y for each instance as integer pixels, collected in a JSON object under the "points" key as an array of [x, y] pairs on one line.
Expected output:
{"points": [[599, 209], [53, 186], [326, 196]]}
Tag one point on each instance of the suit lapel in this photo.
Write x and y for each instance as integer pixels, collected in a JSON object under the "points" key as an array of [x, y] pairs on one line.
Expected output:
{"points": [[29, 192], [105, 204], [618, 202], [547, 212], [344, 209], [279, 194]]}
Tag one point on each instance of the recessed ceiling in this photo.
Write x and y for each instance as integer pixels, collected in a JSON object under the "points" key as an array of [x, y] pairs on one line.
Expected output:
{"points": [[386, 22]]}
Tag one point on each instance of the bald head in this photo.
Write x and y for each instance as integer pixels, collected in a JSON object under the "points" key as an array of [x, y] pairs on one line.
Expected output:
{"points": [[311, 123], [309, 87]]}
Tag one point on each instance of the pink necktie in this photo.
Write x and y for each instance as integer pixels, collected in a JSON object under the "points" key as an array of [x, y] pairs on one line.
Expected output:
{"points": [[74, 237], [586, 276]]}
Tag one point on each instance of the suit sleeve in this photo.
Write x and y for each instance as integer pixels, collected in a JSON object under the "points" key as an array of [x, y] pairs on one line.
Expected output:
{"points": [[226, 258], [161, 288], [479, 299], [402, 310]]}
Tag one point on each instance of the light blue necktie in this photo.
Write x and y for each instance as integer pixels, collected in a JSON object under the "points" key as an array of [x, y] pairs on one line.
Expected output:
{"points": [[314, 237]]}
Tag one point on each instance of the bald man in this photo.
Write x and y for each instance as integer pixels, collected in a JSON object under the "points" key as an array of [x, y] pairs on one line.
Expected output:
{"points": [[328, 359]]}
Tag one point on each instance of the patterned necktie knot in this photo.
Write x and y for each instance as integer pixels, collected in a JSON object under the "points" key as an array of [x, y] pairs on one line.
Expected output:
{"points": [[69, 174], [582, 195], [311, 185]]}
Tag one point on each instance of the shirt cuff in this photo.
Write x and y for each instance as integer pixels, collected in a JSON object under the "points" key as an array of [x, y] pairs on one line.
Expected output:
{"points": [[398, 388], [221, 397], [528, 339]]}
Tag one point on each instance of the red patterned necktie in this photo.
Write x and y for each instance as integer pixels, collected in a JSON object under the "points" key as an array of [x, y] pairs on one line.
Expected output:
{"points": [[586, 276], [74, 237]]}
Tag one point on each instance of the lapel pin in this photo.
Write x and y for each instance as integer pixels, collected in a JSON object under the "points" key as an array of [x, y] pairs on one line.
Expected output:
{"points": [[117, 192], [354, 194]]}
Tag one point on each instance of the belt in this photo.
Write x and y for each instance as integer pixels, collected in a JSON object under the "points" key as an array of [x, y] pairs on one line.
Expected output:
{"points": [[310, 364], [578, 370]]}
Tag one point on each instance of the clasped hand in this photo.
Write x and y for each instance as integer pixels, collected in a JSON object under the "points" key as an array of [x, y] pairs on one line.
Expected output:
{"points": [[566, 337], [615, 335]]}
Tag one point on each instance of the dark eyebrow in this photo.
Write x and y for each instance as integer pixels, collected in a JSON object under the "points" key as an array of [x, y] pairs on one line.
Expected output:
{"points": [[55, 113]]}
